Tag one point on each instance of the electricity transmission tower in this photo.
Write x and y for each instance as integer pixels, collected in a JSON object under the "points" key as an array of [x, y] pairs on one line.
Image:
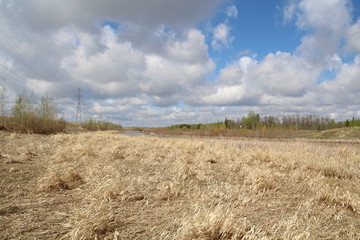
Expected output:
{"points": [[78, 109]]}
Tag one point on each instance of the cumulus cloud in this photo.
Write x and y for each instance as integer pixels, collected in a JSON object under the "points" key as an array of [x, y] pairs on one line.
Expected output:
{"points": [[286, 75], [326, 22], [120, 70], [328, 15], [193, 49], [233, 86], [141, 61], [347, 79], [353, 37], [236, 72], [231, 11], [153, 57], [104, 71], [246, 81], [226, 95], [222, 37], [289, 10]]}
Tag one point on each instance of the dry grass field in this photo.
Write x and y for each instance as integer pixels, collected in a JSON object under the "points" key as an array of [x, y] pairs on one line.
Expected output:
{"points": [[109, 186]]}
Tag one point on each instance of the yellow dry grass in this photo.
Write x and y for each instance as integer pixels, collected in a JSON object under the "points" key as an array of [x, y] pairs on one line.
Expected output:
{"points": [[109, 186]]}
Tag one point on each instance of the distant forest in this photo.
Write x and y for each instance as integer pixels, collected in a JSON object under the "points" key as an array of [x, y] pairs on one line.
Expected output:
{"points": [[254, 121]]}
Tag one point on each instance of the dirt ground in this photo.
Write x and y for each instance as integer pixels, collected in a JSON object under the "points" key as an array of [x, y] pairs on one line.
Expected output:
{"points": [[105, 185]]}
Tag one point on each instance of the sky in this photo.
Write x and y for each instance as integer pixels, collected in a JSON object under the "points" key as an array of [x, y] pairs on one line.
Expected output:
{"points": [[163, 62]]}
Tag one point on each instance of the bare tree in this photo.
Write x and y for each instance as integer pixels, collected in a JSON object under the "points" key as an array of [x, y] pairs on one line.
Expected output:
{"points": [[47, 109]]}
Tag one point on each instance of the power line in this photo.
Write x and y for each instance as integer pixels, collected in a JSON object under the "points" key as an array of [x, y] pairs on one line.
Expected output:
{"points": [[18, 58], [34, 86], [26, 60], [22, 56]]}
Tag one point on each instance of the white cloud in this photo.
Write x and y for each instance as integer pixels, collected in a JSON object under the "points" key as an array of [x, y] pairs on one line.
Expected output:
{"points": [[353, 37], [247, 81], [290, 10], [233, 86], [109, 71], [156, 57], [222, 37], [326, 21], [331, 15], [226, 95], [236, 72], [192, 50], [66, 36], [108, 37], [231, 11], [119, 70], [134, 101], [286, 75], [244, 52], [347, 80], [349, 76], [165, 78]]}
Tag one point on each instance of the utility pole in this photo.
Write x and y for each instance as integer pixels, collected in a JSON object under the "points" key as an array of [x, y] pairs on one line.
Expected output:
{"points": [[78, 110]]}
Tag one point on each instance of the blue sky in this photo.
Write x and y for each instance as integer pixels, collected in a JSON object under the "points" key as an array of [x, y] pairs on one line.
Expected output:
{"points": [[259, 28], [157, 63]]}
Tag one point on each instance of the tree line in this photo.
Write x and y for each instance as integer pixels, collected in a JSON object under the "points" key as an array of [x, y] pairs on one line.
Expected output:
{"points": [[292, 122], [297, 122]]}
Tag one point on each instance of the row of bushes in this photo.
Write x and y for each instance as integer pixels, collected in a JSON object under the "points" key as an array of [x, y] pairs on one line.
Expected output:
{"points": [[352, 123], [29, 117]]}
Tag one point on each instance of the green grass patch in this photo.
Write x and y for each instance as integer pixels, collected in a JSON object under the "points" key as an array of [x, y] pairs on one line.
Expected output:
{"points": [[339, 133]]}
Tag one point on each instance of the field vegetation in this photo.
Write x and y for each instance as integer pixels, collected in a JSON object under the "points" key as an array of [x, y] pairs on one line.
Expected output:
{"points": [[103, 185]]}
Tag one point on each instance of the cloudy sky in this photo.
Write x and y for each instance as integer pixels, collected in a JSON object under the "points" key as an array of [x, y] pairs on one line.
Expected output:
{"points": [[163, 62]]}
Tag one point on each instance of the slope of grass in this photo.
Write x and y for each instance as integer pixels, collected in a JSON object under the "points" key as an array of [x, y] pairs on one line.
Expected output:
{"points": [[340, 133], [105, 185]]}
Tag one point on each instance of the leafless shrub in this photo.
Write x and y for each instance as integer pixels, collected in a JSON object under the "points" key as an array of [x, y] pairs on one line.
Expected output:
{"points": [[57, 179], [218, 223], [94, 220]]}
